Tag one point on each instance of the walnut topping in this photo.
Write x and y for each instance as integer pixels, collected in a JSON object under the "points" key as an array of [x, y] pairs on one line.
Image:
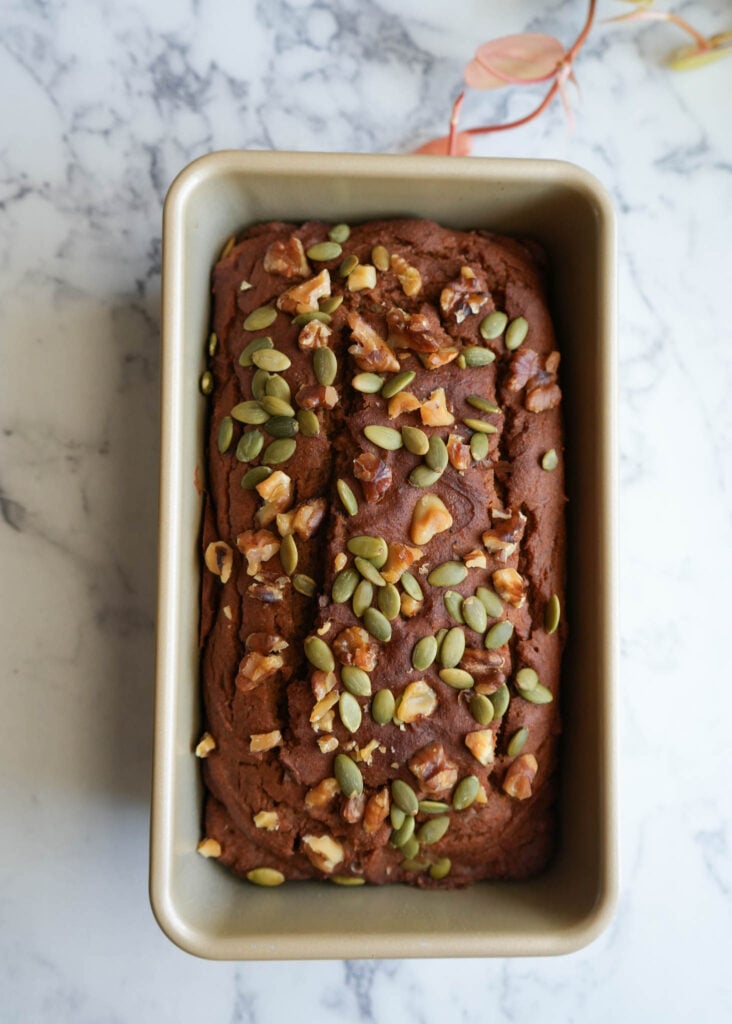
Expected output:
{"points": [[322, 712], [409, 277], [362, 276], [352, 810], [376, 810], [433, 768], [482, 745], [277, 493], [317, 396], [322, 682], [458, 453], [543, 396], [366, 753], [209, 847], [303, 298], [419, 700], [354, 646], [257, 547], [510, 586], [519, 777], [430, 517], [327, 744], [268, 820], [485, 668], [322, 794], [434, 411], [542, 390], [254, 668], [303, 520], [227, 612], [475, 559], [434, 360], [266, 643], [371, 351], [219, 559], [402, 402], [504, 536], [420, 332], [463, 297], [399, 559], [374, 475], [409, 606], [268, 593], [324, 852], [314, 335], [261, 741], [205, 745], [286, 258], [340, 561]]}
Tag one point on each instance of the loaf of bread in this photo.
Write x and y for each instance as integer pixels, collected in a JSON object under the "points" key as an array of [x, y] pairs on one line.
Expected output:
{"points": [[384, 547]]}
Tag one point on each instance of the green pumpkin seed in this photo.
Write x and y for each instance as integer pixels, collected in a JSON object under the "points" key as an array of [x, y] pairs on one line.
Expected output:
{"points": [[308, 422], [245, 359], [452, 648], [331, 304], [479, 445], [424, 653], [325, 366], [268, 877], [225, 434], [482, 404], [206, 383], [260, 379], [397, 383], [255, 476], [389, 601], [348, 775], [517, 742], [369, 571], [404, 796], [260, 318], [550, 460], [481, 709], [280, 451], [493, 325], [277, 406], [339, 233], [440, 869], [480, 425], [433, 830], [403, 834], [250, 412], [454, 605], [363, 595], [282, 426], [382, 707], [475, 356], [490, 601], [303, 319], [303, 584], [213, 342], [380, 258], [414, 864], [539, 695], [349, 711], [498, 635], [348, 265], [348, 880], [272, 360], [356, 681], [277, 386], [377, 624], [526, 679], [344, 585], [475, 614], [516, 333], [422, 476], [383, 437], [410, 850], [439, 637], [367, 383], [396, 816], [415, 440], [348, 498], [500, 701], [249, 446], [552, 614], [368, 547], [319, 654], [411, 586], [457, 678], [465, 792], [447, 574], [436, 457], [288, 554], [323, 251], [433, 807]]}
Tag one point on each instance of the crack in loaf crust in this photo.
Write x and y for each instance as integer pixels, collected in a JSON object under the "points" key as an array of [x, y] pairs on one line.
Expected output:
{"points": [[292, 792]]}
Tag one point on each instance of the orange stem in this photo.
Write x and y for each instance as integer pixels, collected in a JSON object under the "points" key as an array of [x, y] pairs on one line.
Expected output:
{"points": [[452, 138], [522, 120]]}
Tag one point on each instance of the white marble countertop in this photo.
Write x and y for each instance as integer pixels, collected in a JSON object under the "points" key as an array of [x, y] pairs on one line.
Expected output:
{"points": [[103, 104]]}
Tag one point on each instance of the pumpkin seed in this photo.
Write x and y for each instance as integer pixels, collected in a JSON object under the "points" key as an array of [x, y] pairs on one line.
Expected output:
{"points": [[213, 342], [339, 233], [396, 816], [490, 601], [550, 460], [331, 304], [423, 476], [414, 864], [225, 434], [282, 426], [454, 605], [440, 869], [255, 476], [389, 601], [280, 450], [439, 637], [479, 445], [260, 318], [498, 635], [319, 654], [516, 333], [272, 360], [367, 383], [377, 624], [325, 366], [344, 585], [380, 258], [348, 265], [465, 792], [348, 775], [397, 383], [538, 695], [404, 833], [349, 711], [500, 701], [206, 383], [411, 586], [382, 707], [517, 742], [475, 614], [480, 425], [475, 356], [552, 614], [458, 678], [303, 319], [415, 440], [481, 709], [347, 880], [249, 446], [526, 679], [348, 498], [250, 412], [447, 574], [383, 437], [404, 796], [288, 554], [424, 653], [245, 359], [482, 404], [308, 422], [493, 325], [356, 681], [436, 456], [277, 386], [368, 547], [267, 877], [433, 807], [277, 406], [369, 571], [410, 851], [260, 379], [453, 648], [323, 251], [461, 361], [303, 584], [433, 830], [363, 595]]}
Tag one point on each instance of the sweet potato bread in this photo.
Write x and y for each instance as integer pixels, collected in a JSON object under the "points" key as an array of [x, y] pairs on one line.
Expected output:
{"points": [[383, 543]]}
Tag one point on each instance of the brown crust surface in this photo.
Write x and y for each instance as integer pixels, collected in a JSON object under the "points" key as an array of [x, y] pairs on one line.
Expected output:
{"points": [[507, 496]]}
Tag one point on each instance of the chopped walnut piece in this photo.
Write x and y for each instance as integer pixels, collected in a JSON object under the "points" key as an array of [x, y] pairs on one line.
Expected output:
{"points": [[482, 745], [519, 777], [262, 741], [475, 559], [525, 363], [277, 493], [266, 643], [419, 700], [402, 402], [409, 277], [303, 298], [430, 516], [434, 360], [398, 560], [317, 396], [340, 561], [322, 708], [254, 668], [510, 586], [257, 547], [376, 811], [354, 646], [268, 593], [324, 852], [322, 794], [322, 682], [485, 668], [205, 745], [409, 607], [458, 453], [433, 768], [504, 536], [227, 612], [482, 797], [541, 397], [542, 390], [219, 559], [463, 297], [352, 810], [305, 519], [209, 847], [434, 411], [366, 753], [361, 277], [314, 335], [374, 475], [286, 258], [268, 820], [327, 744], [371, 351], [420, 332]]}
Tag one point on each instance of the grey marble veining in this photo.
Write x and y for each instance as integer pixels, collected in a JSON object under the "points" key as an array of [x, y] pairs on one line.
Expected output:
{"points": [[103, 103]]}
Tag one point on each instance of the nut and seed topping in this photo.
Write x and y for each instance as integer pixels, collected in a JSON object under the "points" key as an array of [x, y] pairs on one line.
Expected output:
{"points": [[349, 711], [457, 678], [482, 404], [319, 654], [490, 601], [500, 701], [282, 426], [415, 440], [356, 681], [538, 694], [308, 422], [272, 360], [520, 776], [348, 498], [278, 406], [253, 477], [436, 455], [321, 252], [339, 233], [447, 574], [526, 679], [260, 318], [440, 869], [419, 700], [475, 615], [383, 437], [493, 325], [432, 831], [205, 745], [380, 258], [424, 653], [245, 359], [363, 595], [403, 834], [362, 276], [377, 624], [303, 584], [498, 635], [225, 434], [219, 559], [430, 517], [481, 709], [382, 707], [482, 745], [411, 586], [213, 341], [397, 383], [276, 386], [206, 382], [423, 476], [479, 445], [550, 460], [552, 614], [369, 571], [510, 586], [288, 554], [452, 648], [348, 265], [465, 792], [516, 333], [481, 426], [325, 365], [433, 807], [268, 877], [517, 742], [367, 383], [348, 775], [434, 412], [312, 316], [475, 356], [404, 797], [389, 601], [280, 451], [286, 257], [373, 548], [250, 412]]}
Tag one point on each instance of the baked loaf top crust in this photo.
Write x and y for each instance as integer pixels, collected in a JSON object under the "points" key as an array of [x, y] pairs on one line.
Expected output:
{"points": [[384, 549]]}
